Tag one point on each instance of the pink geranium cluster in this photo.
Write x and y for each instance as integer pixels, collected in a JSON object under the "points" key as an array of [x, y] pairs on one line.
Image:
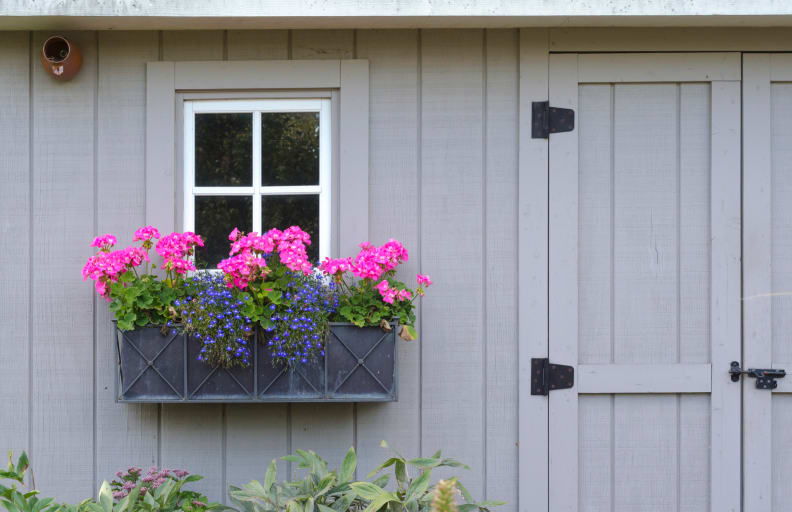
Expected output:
{"points": [[374, 262], [177, 249], [107, 266], [246, 263], [389, 294]]}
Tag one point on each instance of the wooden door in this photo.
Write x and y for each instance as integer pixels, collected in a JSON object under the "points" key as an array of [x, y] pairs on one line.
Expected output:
{"points": [[767, 279], [644, 282]]}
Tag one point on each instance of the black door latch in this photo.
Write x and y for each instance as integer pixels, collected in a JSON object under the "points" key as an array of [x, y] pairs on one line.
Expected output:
{"points": [[546, 377], [765, 377]]}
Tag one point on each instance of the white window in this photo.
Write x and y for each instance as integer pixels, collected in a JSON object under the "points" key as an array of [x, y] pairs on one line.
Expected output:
{"points": [[256, 165]]}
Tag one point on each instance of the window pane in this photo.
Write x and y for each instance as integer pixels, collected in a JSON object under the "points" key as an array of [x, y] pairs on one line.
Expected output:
{"points": [[284, 211], [223, 150], [215, 218], [290, 148]]}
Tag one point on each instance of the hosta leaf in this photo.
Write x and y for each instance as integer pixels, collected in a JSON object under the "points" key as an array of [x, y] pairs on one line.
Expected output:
{"points": [[269, 478], [367, 490], [387, 463], [348, 466], [424, 462], [382, 481], [419, 485]]}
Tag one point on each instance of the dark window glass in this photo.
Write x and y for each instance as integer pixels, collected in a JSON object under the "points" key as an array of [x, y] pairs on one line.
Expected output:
{"points": [[223, 150], [215, 217], [284, 211], [290, 148]]}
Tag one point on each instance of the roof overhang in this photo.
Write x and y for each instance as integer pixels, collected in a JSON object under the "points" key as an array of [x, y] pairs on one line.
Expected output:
{"points": [[298, 14]]}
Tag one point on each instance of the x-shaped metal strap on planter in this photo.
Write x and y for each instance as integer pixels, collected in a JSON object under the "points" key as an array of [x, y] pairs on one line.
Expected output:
{"points": [[361, 362], [215, 370], [280, 374], [149, 364]]}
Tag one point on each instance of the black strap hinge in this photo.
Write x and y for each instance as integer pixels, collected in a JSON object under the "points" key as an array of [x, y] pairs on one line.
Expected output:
{"points": [[546, 377], [546, 119]]}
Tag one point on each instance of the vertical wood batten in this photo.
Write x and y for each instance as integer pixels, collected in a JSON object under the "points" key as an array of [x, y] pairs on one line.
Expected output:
{"points": [[533, 264], [328, 429], [451, 245], [62, 392], [15, 212], [192, 436], [500, 259], [120, 204], [393, 61], [255, 433], [757, 244]]}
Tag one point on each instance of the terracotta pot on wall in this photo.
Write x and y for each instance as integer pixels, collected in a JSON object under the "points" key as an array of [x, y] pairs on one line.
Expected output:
{"points": [[61, 58]]}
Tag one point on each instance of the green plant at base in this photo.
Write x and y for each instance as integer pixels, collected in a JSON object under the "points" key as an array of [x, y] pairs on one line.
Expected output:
{"points": [[14, 500], [321, 490], [140, 301], [445, 496]]}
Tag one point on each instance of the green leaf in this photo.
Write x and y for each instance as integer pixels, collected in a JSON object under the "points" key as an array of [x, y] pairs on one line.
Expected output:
{"points": [[23, 463], [343, 503], [367, 490], [269, 478], [387, 463], [294, 506], [401, 473], [348, 466], [382, 481], [419, 485], [106, 497], [324, 508], [380, 501], [465, 493], [424, 462], [192, 478]]}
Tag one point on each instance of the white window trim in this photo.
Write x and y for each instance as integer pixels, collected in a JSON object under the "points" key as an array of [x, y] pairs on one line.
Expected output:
{"points": [[257, 191], [349, 79]]}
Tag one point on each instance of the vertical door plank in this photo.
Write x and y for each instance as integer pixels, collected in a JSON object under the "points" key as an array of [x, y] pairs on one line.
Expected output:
{"points": [[645, 223], [328, 429], [15, 218], [694, 223], [452, 246], [501, 412], [62, 394], [563, 286], [323, 44], [726, 293], [258, 44], [757, 278], [533, 259], [394, 203], [595, 460], [255, 433], [192, 436], [120, 203]]}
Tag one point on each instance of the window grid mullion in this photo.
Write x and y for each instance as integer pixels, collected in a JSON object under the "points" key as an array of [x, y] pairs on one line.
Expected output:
{"points": [[257, 221]]}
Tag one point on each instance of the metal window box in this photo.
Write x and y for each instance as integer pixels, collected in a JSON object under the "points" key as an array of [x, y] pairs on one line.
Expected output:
{"points": [[360, 365]]}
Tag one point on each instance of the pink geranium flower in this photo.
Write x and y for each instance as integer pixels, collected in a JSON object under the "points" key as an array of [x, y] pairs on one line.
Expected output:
{"points": [[146, 233]]}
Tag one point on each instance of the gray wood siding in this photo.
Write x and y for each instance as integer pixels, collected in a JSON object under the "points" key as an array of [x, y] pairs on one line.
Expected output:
{"points": [[443, 179]]}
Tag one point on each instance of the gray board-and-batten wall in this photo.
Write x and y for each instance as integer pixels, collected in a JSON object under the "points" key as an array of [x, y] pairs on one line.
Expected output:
{"points": [[444, 153]]}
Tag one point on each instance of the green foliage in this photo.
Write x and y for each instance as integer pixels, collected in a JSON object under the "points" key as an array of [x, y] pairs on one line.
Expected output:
{"points": [[17, 498], [142, 300], [168, 497], [361, 304], [322, 490]]}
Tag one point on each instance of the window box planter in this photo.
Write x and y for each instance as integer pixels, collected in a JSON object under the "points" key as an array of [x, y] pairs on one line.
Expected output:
{"points": [[360, 365]]}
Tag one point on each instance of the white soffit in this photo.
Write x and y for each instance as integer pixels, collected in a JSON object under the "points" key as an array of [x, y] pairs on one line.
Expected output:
{"points": [[258, 14]]}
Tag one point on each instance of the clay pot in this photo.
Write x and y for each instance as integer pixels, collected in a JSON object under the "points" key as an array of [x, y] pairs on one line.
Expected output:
{"points": [[61, 58]]}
